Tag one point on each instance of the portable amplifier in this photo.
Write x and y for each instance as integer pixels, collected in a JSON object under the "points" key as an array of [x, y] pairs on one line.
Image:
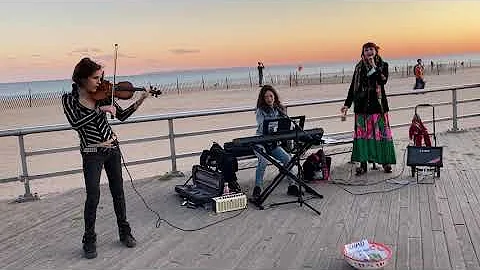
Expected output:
{"points": [[229, 202], [425, 156]]}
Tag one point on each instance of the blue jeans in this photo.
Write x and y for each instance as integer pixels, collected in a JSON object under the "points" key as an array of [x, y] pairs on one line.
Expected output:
{"points": [[279, 154]]}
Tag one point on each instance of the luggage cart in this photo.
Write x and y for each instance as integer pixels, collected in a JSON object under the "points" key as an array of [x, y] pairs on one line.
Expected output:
{"points": [[428, 157]]}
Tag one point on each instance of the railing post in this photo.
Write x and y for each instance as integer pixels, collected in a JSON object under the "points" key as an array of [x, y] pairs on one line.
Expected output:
{"points": [[23, 158], [454, 111], [173, 155], [171, 136]]}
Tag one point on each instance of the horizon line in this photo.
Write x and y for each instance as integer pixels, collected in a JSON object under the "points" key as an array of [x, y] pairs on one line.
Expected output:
{"points": [[413, 57]]}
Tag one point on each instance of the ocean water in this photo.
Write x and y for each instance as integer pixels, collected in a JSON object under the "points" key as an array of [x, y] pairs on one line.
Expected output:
{"points": [[234, 74]]}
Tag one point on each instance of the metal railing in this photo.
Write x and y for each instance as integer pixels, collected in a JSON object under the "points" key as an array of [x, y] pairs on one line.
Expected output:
{"points": [[20, 133]]}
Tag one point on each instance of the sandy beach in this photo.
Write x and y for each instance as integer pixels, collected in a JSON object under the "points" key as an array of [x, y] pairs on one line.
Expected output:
{"points": [[192, 101]]}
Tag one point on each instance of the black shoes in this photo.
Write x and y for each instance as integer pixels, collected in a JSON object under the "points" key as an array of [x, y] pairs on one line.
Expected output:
{"points": [[362, 169], [293, 190], [128, 240], [256, 192], [90, 246], [387, 168]]}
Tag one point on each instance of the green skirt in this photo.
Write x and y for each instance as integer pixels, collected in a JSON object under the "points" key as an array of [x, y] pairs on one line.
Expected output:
{"points": [[372, 140]]}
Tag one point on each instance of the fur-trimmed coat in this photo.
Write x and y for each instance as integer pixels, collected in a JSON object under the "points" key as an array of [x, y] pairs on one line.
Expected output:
{"points": [[363, 89]]}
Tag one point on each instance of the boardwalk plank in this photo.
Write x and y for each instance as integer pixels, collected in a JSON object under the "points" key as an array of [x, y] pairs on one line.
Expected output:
{"points": [[453, 246], [414, 229], [402, 240], [442, 261], [428, 248], [415, 253], [434, 213]]}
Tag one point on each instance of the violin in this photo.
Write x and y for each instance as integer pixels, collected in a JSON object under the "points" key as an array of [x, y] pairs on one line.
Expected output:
{"points": [[122, 90]]}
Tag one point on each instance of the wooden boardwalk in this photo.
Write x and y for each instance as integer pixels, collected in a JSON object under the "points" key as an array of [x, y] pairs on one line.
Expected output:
{"points": [[428, 226]]}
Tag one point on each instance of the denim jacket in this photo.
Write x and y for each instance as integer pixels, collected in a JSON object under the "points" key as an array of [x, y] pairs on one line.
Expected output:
{"points": [[265, 113]]}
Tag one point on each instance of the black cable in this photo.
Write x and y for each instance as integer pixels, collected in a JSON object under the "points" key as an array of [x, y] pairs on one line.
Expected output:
{"points": [[340, 185], [159, 218]]}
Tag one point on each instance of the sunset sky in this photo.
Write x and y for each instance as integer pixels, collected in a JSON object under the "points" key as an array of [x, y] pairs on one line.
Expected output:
{"points": [[44, 39]]}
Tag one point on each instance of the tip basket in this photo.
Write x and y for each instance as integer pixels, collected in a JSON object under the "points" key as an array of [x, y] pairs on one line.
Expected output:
{"points": [[377, 264]]}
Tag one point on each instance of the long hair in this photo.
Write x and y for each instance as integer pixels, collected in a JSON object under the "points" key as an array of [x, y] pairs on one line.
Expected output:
{"points": [[84, 69], [261, 104]]}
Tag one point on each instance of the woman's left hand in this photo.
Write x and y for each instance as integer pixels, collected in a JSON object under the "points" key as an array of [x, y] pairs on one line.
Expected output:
{"points": [[141, 99], [144, 95]]}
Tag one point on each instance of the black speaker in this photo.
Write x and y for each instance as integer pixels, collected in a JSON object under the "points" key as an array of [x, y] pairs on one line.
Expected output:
{"points": [[425, 156]]}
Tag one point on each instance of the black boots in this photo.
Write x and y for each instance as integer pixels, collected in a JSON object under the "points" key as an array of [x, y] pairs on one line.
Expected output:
{"points": [[126, 236], [128, 240], [90, 246], [90, 243]]}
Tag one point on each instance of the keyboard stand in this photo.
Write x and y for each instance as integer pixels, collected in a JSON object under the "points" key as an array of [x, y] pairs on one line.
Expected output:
{"points": [[285, 171]]}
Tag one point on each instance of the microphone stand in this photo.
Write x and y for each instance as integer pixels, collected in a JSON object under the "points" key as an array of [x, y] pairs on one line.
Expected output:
{"points": [[297, 157]]}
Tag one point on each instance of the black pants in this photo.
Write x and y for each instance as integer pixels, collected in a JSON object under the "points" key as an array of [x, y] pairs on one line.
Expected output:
{"points": [[419, 84], [260, 79], [110, 159]]}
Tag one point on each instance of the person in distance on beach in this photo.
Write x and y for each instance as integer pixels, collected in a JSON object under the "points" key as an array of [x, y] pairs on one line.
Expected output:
{"points": [[99, 148], [373, 136], [419, 71], [260, 68], [269, 106]]}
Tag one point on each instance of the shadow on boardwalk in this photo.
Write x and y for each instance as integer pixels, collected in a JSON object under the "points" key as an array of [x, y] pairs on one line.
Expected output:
{"points": [[428, 226]]}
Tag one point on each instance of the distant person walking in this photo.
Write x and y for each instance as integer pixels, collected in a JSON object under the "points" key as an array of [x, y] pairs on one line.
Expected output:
{"points": [[419, 71], [260, 68]]}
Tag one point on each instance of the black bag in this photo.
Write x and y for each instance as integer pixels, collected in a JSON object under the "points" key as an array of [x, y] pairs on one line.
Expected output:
{"points": [[219, 160], [317, 166]]}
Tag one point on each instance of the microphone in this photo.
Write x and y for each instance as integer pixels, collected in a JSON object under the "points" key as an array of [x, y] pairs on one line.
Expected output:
{"points": [[297, 127]]}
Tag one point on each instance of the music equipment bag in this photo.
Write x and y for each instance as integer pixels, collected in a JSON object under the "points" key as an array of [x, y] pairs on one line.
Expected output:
{"points": [[206, 184]]}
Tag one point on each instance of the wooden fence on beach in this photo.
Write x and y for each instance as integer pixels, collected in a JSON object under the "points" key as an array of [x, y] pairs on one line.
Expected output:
{"points": [[292, 80]]}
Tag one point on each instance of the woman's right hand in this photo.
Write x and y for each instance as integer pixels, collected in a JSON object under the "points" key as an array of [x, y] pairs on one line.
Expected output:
{"points": [[344, 110]]}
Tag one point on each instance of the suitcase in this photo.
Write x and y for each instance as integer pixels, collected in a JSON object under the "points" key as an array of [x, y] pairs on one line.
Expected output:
{"points": [[206, 184]]}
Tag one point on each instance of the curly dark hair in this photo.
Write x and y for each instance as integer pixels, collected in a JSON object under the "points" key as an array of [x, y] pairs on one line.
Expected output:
{"points": [[84, 69], [261, 104]]}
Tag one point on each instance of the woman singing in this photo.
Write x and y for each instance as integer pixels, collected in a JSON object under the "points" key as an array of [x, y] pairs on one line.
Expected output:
{"points": [[373, 137]]}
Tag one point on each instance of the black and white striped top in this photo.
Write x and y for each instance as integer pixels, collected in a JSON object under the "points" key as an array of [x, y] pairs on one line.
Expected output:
{"points": [[92, 125]]}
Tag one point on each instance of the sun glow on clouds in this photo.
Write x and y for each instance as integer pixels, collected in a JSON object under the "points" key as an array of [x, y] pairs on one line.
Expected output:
{"points": [[47, 39]]}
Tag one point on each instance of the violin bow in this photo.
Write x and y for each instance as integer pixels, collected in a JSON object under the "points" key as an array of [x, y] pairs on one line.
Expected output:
{"points": [[114, 73]]}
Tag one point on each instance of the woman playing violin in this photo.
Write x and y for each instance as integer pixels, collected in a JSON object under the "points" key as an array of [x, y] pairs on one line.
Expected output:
{"points": [[99, 148]]}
